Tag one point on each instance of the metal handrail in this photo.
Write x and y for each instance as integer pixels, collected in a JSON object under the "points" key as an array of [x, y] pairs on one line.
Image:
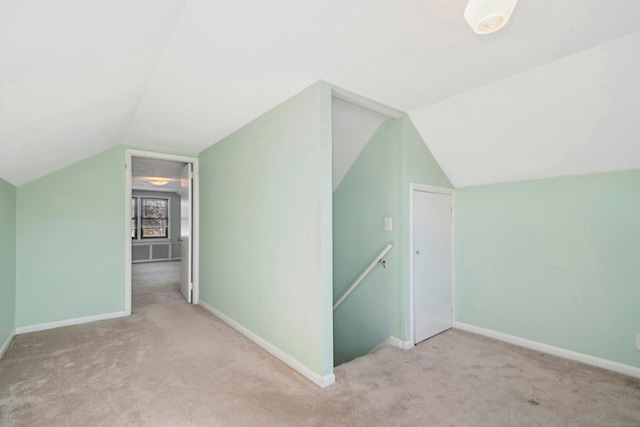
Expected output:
{"points": [[377, 260]]}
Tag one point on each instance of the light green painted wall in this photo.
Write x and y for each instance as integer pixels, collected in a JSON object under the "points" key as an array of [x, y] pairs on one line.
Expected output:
{"points": [[555, 261], [70, 241], [265, 227], [376, 187], [368, 193], [7, 260], [419, 167]]}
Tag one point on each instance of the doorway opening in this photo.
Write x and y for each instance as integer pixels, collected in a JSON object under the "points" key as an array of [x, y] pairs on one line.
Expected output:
{"points": [[365, 136], [161, 221]]}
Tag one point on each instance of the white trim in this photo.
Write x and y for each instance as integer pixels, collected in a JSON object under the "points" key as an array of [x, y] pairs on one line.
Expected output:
{"points": [[129, 154], [453, 258], [363, 102], [377, 260], [407, 345], [610, 365], [396, 343], [431, 189], [69, 322], [6, 344], [322, 381], [195, 238], [413, 187]]}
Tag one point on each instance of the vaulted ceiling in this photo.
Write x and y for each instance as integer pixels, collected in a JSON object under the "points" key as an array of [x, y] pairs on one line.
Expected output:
{"points": [[553, 93]]}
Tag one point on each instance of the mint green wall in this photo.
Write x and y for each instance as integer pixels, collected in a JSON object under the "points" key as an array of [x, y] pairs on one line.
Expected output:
{"points": [[419, 167], [555, 261], [376, 187], [265, 227], [367, 194], [7, 260], [70, 241]]}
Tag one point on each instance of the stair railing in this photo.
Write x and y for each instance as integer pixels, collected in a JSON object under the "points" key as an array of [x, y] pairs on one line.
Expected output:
{"points": [[377, 260]]}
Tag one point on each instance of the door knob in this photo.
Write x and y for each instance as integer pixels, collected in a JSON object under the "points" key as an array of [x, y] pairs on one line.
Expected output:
{"points": [[180, 239], [418, 252]]}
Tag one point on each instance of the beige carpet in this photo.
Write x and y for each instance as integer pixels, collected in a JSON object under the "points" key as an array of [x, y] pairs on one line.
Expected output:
{"points": [[174, 364]]}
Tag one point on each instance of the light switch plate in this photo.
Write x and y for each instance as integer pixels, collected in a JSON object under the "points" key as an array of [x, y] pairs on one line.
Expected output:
{"points": [[638, 341], [388, 224]]}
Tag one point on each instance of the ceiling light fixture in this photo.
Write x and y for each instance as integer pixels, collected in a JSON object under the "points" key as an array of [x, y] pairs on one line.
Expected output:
{"points": [[159, 181], [487, 16]]}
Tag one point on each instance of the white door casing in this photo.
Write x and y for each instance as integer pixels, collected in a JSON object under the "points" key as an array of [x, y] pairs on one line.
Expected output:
{"points": [[432, 296], [194, 241], [186, 190]]}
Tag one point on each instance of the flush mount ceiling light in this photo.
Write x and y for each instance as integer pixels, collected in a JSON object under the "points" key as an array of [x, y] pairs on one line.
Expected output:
{"points": [[487, 16], [159, 181]]}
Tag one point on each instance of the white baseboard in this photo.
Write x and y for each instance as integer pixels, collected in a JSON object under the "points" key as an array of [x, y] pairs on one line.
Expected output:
{"points": [[395, 342], [7, 343], [68, 322], [621, 368], [322, 381]]}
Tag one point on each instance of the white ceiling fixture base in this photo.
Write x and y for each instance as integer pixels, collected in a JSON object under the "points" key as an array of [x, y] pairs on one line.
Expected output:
{"points": [[487, 16]]}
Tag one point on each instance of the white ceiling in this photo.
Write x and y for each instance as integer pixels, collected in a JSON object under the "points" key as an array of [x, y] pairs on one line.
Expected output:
{"points": [[578, 115], [79, 77]]}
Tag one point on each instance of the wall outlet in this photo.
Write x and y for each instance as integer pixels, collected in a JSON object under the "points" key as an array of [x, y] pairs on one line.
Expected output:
{"points": [[638, 341], [388, 224]]}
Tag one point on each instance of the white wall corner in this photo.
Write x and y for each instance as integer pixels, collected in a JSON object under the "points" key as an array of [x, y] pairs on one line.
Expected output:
{"points": [[68, 322], [598, 362], [320, 380], [6, 344]]}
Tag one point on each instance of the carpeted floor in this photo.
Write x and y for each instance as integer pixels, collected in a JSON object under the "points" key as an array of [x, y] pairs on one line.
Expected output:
{"points": [[174, 364]]}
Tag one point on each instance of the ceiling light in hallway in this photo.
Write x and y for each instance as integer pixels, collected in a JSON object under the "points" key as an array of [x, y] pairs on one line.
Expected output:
{"points": [[159, 181]]}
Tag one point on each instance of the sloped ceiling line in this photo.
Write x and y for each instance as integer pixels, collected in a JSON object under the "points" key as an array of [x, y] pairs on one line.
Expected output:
{"points": [[77, 78], [125, 130]]}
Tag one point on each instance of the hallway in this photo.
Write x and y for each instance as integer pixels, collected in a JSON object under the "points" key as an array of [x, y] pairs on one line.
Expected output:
{"points": [[175, 364]]}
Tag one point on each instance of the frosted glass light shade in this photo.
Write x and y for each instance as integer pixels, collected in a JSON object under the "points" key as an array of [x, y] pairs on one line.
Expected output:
{"points": [[159, 181], [487, 16]]}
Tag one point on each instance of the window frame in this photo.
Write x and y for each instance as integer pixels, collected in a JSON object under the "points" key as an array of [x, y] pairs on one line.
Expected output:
{"points": [[137, 235]]}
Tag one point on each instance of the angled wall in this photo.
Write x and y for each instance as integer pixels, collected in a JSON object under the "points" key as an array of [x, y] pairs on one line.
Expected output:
{"points": [[573, 116], [554, 261], [377, 187], [418, 167], [7, 263], [70, 242], [367, 194], [265, 231]]}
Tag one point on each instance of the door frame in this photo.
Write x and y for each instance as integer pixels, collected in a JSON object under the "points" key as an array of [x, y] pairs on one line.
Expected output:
{"points": [[195, 203], [413, 187]]}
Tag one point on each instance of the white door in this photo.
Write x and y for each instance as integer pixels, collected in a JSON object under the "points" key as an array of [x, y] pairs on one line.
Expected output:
{"points": [[186, 281], [432, 278]]}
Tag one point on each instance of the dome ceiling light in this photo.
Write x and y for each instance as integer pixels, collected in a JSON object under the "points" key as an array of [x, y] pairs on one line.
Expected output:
{"points": [[487, 16], [159, 181]]}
